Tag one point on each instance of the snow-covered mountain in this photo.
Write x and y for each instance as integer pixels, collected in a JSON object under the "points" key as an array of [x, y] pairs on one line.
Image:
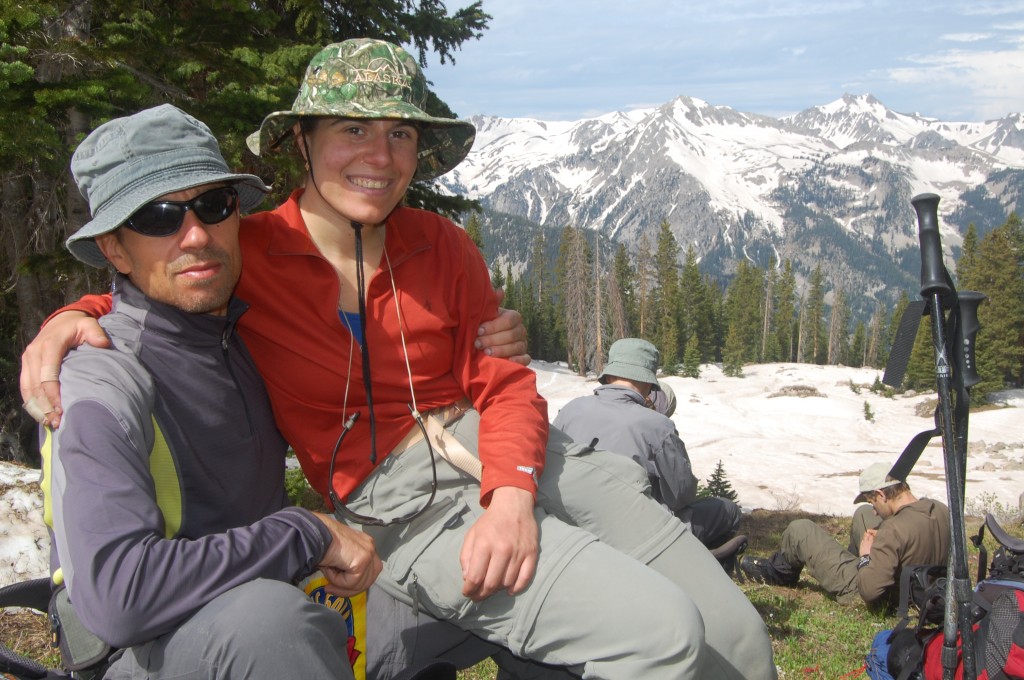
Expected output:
{"points": [[831, 184]]}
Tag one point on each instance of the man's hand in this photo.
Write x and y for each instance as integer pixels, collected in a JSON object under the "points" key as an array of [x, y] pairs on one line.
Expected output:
{"points": [[867, 542], [500, 550], [351, 563], [40, 362], [504, 336]]}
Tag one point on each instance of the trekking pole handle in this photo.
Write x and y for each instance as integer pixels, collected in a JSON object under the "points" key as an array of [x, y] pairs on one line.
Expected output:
{"points": [[968, 300], [934, 278]]}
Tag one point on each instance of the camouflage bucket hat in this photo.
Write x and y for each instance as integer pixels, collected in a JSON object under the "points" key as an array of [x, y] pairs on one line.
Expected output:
{"points": [[370, 79]]}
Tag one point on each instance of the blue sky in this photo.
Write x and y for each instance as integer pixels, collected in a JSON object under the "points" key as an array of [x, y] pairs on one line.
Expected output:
{"points": [[571, 59]]}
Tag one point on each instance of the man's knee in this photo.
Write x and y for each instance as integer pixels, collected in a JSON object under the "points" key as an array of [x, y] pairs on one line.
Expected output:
{"points": [[798, 531], [795, 541], [256, 616]]}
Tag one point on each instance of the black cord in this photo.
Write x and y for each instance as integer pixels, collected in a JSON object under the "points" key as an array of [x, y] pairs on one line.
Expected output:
{"points": [[367, 383]]}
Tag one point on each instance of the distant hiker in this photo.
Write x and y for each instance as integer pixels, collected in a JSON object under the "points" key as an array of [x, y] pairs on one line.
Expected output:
{"points": [[894, 531], [483, 520], [621, 416]]}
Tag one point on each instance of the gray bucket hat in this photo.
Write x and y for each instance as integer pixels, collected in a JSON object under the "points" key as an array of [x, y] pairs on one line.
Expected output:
{"points": [[371, 79], [872, 479], [633, 359], [127, 162]]}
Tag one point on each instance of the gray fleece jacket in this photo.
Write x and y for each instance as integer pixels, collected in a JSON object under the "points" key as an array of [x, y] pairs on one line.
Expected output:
{"points": [[618, 418], [136, 568]]}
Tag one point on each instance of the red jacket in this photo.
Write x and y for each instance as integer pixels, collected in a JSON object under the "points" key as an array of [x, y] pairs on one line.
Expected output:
{"points": [[302, 348]]}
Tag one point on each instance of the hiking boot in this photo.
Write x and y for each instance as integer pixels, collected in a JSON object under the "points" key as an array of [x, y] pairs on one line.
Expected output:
{"points": [[729, 552], [766, 570]]}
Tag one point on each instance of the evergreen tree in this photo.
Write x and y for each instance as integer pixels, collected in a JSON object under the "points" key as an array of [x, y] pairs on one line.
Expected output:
{"points": [[857, 347], [968, 255], [643, 287], [997, 271], [813, 326], [719, 485], [692, 300], [697, 308], [920, 373], [575, 297], [716, 303], [498, 279], [785, 313], [744, 315], [691, 358], [732, 353], [770, 350], [474, 229], [545, 329], [666, 298], [624, 280], [873, 349], [839, 332]]}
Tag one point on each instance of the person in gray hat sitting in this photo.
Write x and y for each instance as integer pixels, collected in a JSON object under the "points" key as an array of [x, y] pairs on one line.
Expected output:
{"points": [[622, 416], [896, 529]]}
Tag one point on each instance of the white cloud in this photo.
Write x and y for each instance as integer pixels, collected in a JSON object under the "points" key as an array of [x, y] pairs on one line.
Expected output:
{"points": [[992, 80], [993, 8], [967, 37], [574, 58]]}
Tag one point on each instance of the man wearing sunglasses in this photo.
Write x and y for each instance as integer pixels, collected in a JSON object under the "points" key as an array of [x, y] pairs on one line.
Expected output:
{"points": [[170, 525]]}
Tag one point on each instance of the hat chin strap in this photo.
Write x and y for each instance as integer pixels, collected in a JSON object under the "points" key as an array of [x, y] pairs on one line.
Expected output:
{"points": [[357, 226]]}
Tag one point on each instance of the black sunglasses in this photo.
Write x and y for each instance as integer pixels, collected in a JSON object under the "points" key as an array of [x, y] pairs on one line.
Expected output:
{"points": [[163, 218]]}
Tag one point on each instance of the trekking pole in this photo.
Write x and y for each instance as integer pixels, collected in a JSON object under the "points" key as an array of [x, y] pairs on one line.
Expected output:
{"points": [[935, 286]]}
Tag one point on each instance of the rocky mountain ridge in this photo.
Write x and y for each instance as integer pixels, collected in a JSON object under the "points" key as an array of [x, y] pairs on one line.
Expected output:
{"points": [[829, 185]]}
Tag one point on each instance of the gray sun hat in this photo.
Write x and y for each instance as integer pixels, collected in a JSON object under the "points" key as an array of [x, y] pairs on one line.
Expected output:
{"points": [[633, 359], [872, 479], [128, 162], [370, 79]]}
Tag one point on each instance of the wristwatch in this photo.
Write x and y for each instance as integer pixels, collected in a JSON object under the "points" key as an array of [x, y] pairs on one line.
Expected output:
{"points": [[864, 560]]}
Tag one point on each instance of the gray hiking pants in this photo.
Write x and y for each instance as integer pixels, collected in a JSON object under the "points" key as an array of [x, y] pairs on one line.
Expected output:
{"points": [[263, 629], [622, 589], [804, 543]]}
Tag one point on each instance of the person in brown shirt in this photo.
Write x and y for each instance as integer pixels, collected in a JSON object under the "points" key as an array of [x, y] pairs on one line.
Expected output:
{"points": [[895, 530]]}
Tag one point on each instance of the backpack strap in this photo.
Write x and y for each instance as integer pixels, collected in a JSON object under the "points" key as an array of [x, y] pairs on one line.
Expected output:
{"points": [[979, 542], [1011, 543]]}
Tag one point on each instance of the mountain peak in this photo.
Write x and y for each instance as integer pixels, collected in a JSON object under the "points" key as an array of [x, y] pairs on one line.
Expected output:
{"points": [[831, 183]]}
